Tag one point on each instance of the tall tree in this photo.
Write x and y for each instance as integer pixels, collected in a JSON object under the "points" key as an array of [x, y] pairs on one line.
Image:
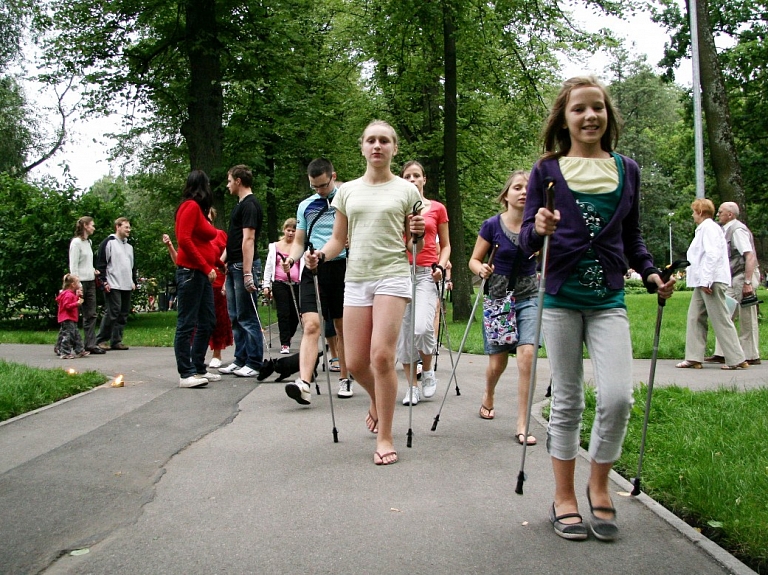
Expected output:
{"points": [[723, 153]]}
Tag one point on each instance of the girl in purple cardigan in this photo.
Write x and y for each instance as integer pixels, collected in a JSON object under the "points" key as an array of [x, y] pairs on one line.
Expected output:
{"points": [[594, 231]]}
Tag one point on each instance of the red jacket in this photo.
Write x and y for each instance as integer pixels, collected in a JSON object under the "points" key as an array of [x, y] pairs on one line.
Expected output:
{"points": [[68, 302], [195, 235]]}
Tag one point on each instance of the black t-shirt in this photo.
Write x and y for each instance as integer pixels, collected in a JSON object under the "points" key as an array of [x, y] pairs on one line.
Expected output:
{"points": [[246, 214]]}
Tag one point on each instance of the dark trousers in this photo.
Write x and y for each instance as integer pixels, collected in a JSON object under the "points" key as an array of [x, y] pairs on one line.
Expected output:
{"points": [[194, 300], [117, 306], [89, 313], [70, 341], [287, 320]]}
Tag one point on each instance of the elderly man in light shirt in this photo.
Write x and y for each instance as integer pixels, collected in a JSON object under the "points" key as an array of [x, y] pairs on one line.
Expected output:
{"points": [[710, 275], [745, 276]]}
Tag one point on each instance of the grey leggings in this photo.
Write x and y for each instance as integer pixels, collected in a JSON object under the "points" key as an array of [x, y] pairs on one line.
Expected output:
{"points": [[606, 334]]}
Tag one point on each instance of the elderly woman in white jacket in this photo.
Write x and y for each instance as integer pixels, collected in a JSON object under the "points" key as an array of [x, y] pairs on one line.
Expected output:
{"points": [[282, 287], [709, 274]]}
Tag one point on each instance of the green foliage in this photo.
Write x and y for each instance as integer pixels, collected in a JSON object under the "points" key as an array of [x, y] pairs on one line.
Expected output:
{"points": [[36, 226]]}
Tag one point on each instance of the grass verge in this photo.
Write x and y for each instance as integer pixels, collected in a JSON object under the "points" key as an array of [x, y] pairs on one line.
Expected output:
{"points": [[24, 388], [706, 460]]}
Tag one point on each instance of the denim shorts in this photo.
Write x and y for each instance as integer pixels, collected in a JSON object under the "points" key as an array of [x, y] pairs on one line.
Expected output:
{"points": [[526, 314]]}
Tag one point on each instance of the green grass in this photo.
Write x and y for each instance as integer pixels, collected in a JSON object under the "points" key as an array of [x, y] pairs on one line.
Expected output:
{"points": [[706, 459], [155, 329], [642, 310], [24, 389]]}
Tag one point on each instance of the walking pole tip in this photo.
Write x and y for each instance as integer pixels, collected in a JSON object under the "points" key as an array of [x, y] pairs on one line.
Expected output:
{"points": [[520, 481]]}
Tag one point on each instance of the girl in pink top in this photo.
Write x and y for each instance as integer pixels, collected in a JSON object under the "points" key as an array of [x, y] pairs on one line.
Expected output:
{"points": [[69, 299]]}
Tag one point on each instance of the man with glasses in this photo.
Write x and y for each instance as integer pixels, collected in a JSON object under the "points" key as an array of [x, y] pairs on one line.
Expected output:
{"points": [[315, 217]]}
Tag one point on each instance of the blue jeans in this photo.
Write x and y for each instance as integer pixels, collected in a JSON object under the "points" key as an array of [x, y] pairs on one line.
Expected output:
{"points": [[195, 322], [246, 327]]}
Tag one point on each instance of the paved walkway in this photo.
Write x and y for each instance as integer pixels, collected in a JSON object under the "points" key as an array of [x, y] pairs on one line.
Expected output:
{"points": [[237, 478]]}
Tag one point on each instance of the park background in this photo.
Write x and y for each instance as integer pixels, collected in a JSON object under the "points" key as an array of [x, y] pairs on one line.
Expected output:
{"points": [[211, 83]]}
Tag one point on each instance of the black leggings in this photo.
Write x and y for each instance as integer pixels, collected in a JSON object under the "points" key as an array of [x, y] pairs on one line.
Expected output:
{"points": [[287, 320]]}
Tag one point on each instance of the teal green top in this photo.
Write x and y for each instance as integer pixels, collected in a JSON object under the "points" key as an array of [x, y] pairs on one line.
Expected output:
{"points": [[586, 288]]}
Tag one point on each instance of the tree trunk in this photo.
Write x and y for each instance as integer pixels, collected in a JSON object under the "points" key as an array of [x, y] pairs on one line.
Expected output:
{"points": [[202, 129], [460, 271], [722, 148]]}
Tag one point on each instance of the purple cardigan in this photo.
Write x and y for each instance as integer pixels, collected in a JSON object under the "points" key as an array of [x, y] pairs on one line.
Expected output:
{"points": [[620, 237]]}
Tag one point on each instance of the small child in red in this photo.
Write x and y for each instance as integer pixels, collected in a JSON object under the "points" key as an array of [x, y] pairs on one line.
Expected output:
{"points": [[69, 299]]}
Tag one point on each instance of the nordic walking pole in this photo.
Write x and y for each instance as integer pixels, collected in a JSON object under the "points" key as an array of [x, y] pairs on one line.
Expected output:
{"points": [[293, 295], [442, 328], [258, 319], [414, 240], [325, 346], [665, 275], [463, 341], [549, 195], [440, 292]]}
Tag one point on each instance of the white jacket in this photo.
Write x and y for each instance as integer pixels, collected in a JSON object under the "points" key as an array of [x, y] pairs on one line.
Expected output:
{"points": [[708, 254]]}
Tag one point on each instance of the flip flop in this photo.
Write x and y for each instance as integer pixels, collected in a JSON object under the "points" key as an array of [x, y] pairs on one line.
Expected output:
{"points": [[487, 413], [381, 457], [521, 436], [371, 423], [687, 364], [333, 364]]}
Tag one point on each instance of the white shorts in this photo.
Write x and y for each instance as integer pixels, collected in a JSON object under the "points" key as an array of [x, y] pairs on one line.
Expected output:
{"points": [[361, 294]]}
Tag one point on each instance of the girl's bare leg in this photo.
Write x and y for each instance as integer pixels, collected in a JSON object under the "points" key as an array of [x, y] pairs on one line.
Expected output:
{"points": [[386, 321], [524, 366]]}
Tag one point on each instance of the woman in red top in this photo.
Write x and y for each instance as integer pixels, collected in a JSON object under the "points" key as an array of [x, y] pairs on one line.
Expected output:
{"points": [[420, 342], [195, 272]]}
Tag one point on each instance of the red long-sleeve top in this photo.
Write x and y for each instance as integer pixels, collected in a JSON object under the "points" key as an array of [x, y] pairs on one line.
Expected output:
{"points": [[68, 302], [195, 235]]}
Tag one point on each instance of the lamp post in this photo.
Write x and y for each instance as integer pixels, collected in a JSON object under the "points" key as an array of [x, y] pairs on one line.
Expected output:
{"points": [[670, 215]]}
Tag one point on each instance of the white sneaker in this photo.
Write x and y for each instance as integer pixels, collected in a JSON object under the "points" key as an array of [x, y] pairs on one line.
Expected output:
{"points": [[210, 376], [428, 383], [345, 388], [231, 368], [285, 350], [245, 371], [300, 391], [214, 363], [193, 381], [416, 396]]}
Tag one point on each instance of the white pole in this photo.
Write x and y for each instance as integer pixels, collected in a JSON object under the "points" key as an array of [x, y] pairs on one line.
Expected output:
{"points": [[697, 120]]}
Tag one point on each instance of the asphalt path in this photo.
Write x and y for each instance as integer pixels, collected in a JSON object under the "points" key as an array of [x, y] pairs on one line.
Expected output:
{"points": [[238, 478]]}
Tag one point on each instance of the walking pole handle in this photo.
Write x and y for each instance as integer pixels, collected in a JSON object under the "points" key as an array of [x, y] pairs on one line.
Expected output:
{"points": [[493, 254], [549, 193], [312, 252], [415, 212], [665, 274]]}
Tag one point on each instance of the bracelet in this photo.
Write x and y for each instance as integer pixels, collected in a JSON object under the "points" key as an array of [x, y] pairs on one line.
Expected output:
{"points": [[248, 275], [293, 261], [320, 256]]}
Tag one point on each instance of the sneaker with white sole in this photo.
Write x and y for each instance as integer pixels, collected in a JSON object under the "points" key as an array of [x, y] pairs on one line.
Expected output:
{"points": [[193, 381], [345, 388], [210, 376], [285, 350], [214, 363], [245, 371], [231, 368], [416, 396], [300, 391], [428, 383]]}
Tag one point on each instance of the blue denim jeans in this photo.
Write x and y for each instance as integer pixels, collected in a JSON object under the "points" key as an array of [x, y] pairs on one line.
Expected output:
{"points": [[246, 327], [195, 322]]}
